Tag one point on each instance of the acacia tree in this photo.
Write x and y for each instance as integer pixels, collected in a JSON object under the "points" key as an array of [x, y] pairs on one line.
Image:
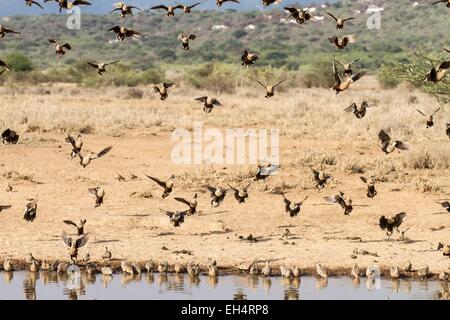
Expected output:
{"points": [[414, 68]]}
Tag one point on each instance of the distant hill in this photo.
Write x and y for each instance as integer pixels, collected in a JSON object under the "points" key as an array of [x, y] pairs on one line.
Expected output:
{"points": [[17, 7], [222, 36]]}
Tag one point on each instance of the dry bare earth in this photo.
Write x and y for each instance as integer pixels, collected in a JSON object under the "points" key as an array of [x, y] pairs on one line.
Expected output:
{"points": [[314, 131]]}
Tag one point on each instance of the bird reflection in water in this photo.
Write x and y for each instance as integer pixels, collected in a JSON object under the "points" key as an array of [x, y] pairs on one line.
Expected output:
{"points": [[239, 295], [321, 283], [213, 281], [267, 283], [8, 276], [291, 294], [395, 285], [106, 280], [194, 280], [29, 285]]}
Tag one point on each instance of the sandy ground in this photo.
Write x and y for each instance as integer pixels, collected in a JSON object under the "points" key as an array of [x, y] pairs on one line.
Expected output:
{"points": [[134, 228]]}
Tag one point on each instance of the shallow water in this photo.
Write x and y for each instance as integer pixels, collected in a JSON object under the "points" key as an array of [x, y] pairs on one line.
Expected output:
{"points": [[44, 285]]}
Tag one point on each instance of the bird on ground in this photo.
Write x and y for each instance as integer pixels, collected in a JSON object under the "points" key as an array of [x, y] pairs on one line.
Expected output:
{"points": [[59, 48], [34, 266], [356, 271], [447, 2], [387, 145], [248, 59], [167, 185], [263, 172], [188, 8], [79, 225], [446, 205], [7, 265], [445, 249], [184, 38], [77, 144], [176, 217], [254, 269], [10, 137], [394, 272], [192, 204], [217, 195], [423, 273], [341, 43], [270, 89], [74, 245], [65, 4], [2, 208], [438, 73], [293, 208], [408, 267], [429, 119], [193, 270], [339, 21], [240, 194], [346, 204], [119, 177], [321, 271], [208, 103], [169, 9], [30, 3], [219, 3], [30, 211], [106, 256], [149, 266], [99, 194], [126, 267], [213, 271], [371, 191], [299, 14], [163, 94], [348, 71], [124, 9], [321, 178], [340, 85], [266, 270], [122, 33], [163, 267], [86, 159], [101, 67], [4, 31], [359, 110], [394, 222], [62, 267]]}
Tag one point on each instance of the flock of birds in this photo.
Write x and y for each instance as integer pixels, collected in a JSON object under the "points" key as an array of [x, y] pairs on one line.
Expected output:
{"points": [[218, 193]]}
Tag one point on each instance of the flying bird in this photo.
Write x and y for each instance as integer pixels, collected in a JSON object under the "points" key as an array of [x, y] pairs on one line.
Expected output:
{"points": [[188, 8], [167, 185], [346, 204], [29, 3], [429, 119], [124, 9], [267, 3], [176, 217], [321, 178], [219, 3], [438, 73], [10, 137], [240, 194], [447, 2], [163, 94], [446, 205], [99, 194], [185, 40], [248, 58], [101, 67], [122, 33], [387, 145], [347, 67], [4, 31], [341, 43], [359, 110], [217, 195], [86, 159], [79, 225], [293, 208], [77, 144], [339, 21], [170, 9], [394, 222], [30, 211], [65, 4], [74, 245], [299, 14], [340, 85], [270, 89], [208, 103], [263, 172], [59, 48], [192, 204], [371, 191]]}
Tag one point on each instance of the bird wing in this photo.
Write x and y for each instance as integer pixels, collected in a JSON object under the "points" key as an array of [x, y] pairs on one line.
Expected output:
{"points": [[116, 29], [211, 189], [161, 6], [290, 9], [38, 4], [278, 83], [384, 138], [131, 33], [436, 111], [6, 30], [331, 15], [66, 239], [167, 85], [420, 112], [261, 83], [194, 5], [92, 191], [351, 108], [363, 179], [202, 99], [398, 219], [70, 222], [192, 37], [337, 78], [401, 145], [67, 46], [81, 2], [383, 222], [92, 64], [215, 102], [354, 61], [109, 63], [156, 90], [82, 241], [159, 182], [70, 140], [351, 18], [182, 200], [357, 76], [286, 201], [4, 207], [102, 153], [52, 41], [445, 65]]}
